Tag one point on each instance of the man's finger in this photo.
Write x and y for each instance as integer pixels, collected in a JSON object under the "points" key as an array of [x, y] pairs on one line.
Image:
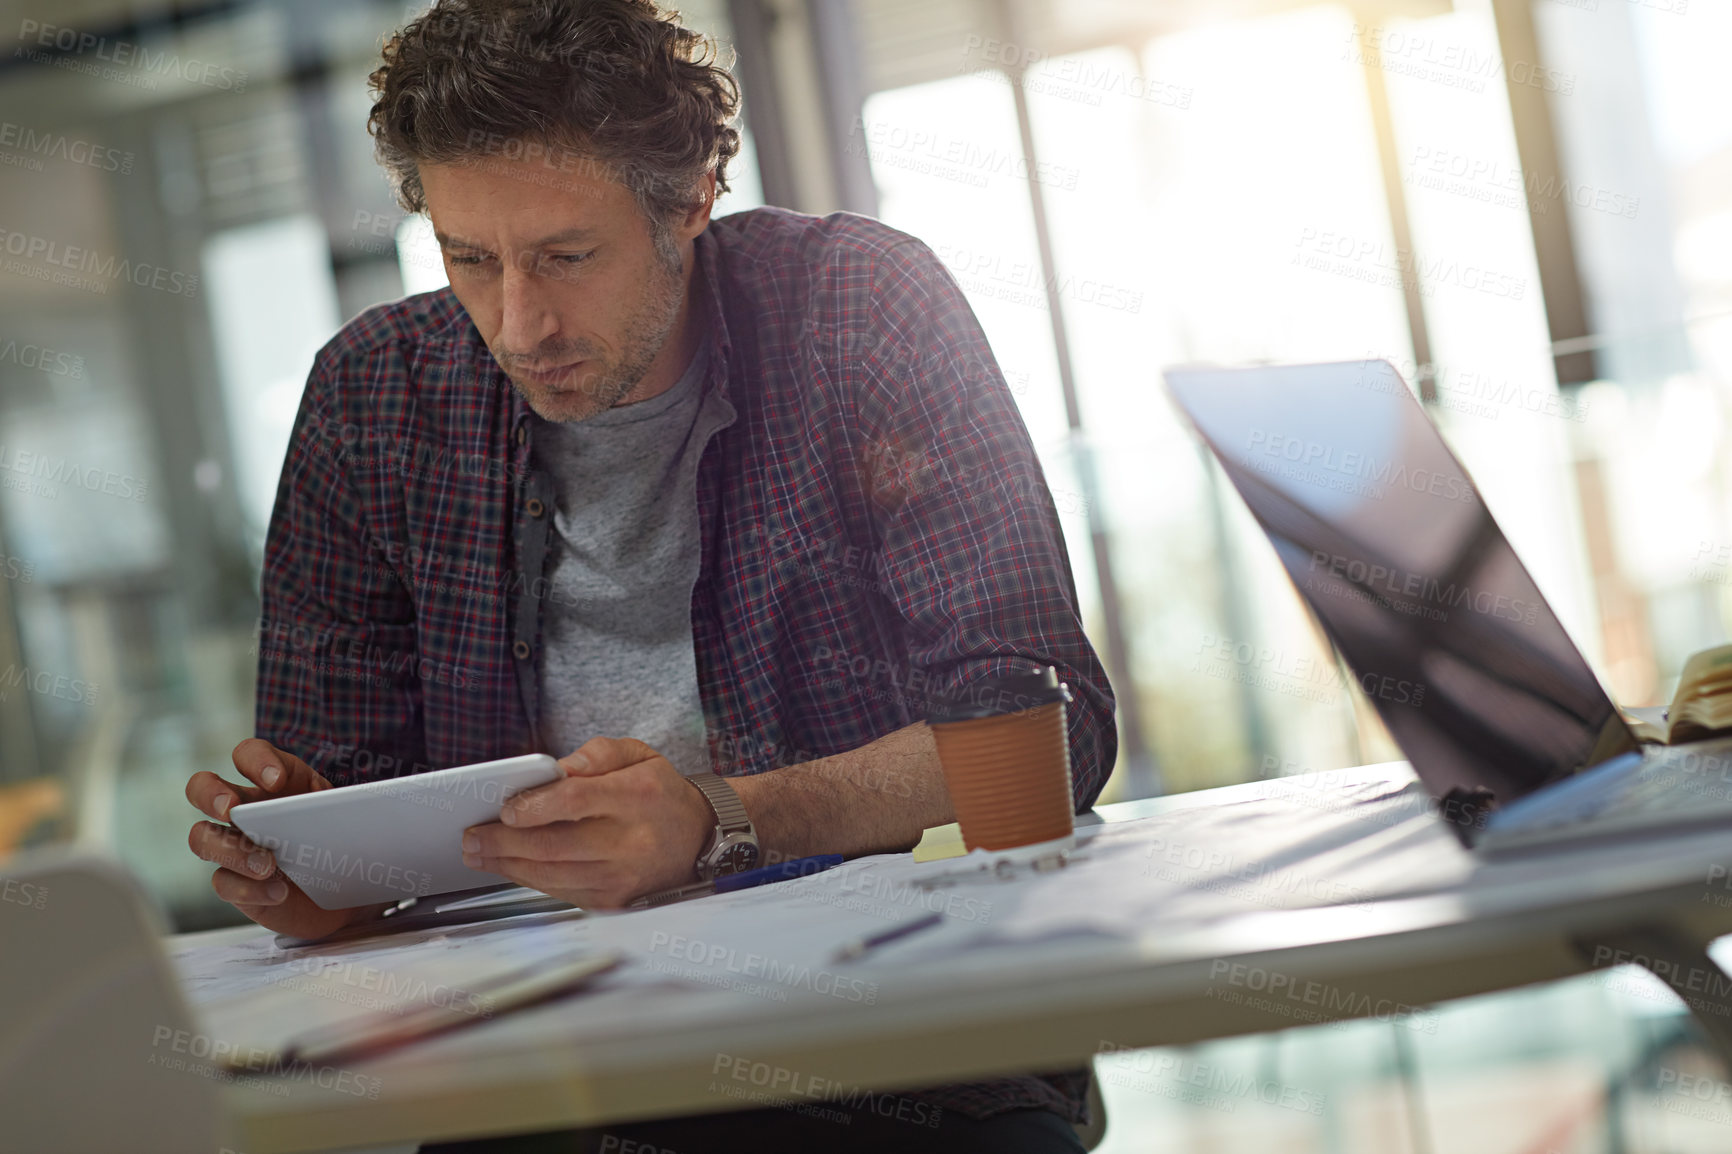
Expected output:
{"points": [[274, 770], [213, 797], [584, 883], [601, 755], [224, 847], [562, 841], [569, 799], [237, 890]]}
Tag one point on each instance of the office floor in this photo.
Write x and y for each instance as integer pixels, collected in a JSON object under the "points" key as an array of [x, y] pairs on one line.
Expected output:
{"points": [[1604, 1064]]}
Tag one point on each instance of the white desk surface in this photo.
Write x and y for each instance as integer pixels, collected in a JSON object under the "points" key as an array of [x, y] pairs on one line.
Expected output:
{"points": [[1416, 920]]}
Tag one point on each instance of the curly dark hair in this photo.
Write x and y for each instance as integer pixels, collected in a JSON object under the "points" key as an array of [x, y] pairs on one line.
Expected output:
{"points": [[616, 85]]}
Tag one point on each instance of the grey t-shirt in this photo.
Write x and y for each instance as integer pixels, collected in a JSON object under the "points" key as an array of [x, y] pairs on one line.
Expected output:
{"points": [[617, 657]]}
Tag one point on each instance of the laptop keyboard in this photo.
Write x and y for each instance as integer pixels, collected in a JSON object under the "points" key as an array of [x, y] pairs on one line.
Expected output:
{"points": [[1678, 777], [1687, 781]]}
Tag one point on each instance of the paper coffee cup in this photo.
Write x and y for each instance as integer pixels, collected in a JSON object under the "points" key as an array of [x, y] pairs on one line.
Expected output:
{"points": [[1005, 751]]}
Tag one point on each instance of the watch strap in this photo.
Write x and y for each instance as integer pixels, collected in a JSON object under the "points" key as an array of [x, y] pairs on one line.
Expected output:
{"points": [[730, 811]]}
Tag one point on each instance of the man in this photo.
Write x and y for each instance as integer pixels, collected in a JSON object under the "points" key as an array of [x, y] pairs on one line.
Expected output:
{"points": [[670, 497]]}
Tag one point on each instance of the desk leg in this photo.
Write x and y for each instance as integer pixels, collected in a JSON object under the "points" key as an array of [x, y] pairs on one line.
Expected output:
{"points": [[1681, 961]]}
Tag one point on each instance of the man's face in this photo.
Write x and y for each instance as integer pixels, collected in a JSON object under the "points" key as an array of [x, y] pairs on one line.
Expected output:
{"points": [[562, 275]]}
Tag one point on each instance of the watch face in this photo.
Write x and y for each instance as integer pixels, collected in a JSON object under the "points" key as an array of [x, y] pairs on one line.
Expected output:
{"points": [[737, 858]]}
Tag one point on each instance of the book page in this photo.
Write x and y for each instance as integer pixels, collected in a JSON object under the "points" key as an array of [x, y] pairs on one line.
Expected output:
{"points": [[1703, 702]]}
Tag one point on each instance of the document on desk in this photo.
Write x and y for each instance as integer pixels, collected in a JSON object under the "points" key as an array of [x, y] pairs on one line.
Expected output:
{"points": [[1301, 847], [1138, 881], [254, 998], [1295, 848]]}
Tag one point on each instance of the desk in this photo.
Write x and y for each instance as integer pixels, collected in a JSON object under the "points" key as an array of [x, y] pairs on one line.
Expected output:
{"points": [[1441, 924]]}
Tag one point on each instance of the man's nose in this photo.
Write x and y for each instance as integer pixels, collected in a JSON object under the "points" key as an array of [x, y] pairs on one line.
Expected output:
{"points": [[525, 318]]}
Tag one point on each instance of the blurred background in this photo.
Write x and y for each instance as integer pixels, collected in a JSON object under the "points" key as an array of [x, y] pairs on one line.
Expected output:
{"points": [[1525, 204]]}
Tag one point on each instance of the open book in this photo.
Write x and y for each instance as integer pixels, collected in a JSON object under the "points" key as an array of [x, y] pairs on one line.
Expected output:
{"points": [[1702, 705]]}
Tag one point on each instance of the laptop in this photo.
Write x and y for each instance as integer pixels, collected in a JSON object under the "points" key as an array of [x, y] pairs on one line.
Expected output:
{"points": [[1386, 538], [98, 1049]]}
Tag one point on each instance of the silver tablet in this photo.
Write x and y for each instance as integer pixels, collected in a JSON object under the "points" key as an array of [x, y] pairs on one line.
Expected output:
{"points": [[389, 840]]}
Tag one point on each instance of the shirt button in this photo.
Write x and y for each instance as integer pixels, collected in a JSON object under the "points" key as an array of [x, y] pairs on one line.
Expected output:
{"points": [[520, 650], [535, 507], [522, 434]]}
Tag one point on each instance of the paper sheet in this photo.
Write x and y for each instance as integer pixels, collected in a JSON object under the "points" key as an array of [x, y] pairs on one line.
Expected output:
{"points": [[254, 997], [1295, 848]]}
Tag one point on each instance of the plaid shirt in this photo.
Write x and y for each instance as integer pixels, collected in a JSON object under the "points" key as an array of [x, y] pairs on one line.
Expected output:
{"points": [[875, 527]]}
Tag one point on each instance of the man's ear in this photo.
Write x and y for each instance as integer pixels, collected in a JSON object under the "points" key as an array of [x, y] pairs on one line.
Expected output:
{"points": [[697, 218]]}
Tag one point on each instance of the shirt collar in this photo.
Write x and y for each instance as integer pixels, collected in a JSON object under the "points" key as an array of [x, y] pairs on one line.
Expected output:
{"points": [[707, 255]]}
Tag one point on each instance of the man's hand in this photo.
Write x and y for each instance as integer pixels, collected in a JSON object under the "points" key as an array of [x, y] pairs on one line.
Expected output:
{"points": [[623, 823], [247, 877]]}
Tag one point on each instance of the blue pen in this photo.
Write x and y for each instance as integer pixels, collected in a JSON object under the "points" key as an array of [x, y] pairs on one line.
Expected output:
{"points": [[745, 880], [780, 872]]}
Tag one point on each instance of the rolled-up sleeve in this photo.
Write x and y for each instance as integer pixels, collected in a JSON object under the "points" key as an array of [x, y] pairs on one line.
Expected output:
{"points": [[975, 556]]}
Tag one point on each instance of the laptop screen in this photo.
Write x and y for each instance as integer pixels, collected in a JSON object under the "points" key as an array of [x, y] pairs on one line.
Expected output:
{"points": [[1386, 538]]}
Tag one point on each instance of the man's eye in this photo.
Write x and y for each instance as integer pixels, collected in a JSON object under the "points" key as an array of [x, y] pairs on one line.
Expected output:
{"points": [[570, 257], [467, 259]]}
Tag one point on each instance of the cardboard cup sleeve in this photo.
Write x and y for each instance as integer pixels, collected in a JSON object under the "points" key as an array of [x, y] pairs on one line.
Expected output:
{"points": [[1005, 751]]}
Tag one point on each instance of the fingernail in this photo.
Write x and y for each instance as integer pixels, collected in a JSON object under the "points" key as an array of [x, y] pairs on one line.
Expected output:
{"points": [[277, 891], [222, 806], [508, 815], [578, 762], [259, 863], [471, 843], [273, 774]]}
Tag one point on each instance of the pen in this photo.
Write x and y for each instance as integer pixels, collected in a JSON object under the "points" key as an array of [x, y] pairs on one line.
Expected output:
{"points": [[863, 946], [780, 872], [400, 908], [512, 895], [384, 1029], [745, 880], [429, 913]]}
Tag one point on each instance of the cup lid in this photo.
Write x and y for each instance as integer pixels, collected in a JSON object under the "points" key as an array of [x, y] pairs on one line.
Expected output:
{"points": [[996, 696]]}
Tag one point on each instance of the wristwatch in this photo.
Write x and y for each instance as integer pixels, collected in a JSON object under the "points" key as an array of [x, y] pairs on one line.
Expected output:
{"points": [[733, 847]]}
